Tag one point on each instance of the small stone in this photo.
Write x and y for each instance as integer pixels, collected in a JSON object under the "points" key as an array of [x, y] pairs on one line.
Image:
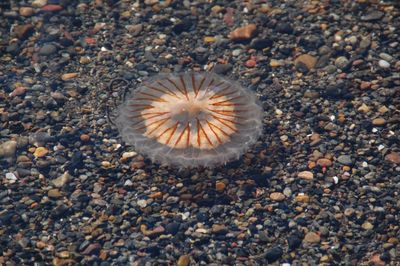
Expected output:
{"points": [[68, 76], [302, 198], [52, 8], [277, 196], [8, 149], [61, 180], [26, 11], [393, 157], [305, 62], [363, 108], [379, 121], [273, 254], [18, 91], [183, 260], [307, 175], [312, 237], [260, 44], [293, 241], [11, 177], [128, 154], [324, 162], [250, 63], [345, 159], [243, 33], [39, 3], [384, 64], [222, 68], [376, 260], [349, 211], [219, 229], [209, 39], [342, 62], [275, 63], [365, 85], [142, 203], [85, 137], [23, 31], [386, 57], [216, 9], [372, 16], [48, 49], [383, 109], [54, 193], [40, 152], [367, 226], [64, 254], [85, 60], [92, 249], [220, 186]]}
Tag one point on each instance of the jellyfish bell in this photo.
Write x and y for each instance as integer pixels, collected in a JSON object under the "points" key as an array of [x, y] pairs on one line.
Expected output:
{"points": [[190, 119]]}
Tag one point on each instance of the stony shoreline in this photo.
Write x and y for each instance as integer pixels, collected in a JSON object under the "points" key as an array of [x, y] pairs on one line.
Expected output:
{"points": [[320, 187]]}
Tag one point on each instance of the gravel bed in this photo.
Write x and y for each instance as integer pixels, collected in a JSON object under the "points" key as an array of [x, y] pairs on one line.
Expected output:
{"points": [[320, 187]]}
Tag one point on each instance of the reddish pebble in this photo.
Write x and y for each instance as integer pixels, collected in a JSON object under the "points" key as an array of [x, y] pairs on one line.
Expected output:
{"points": [[365, 85], [85, 137], [251, 63], [228, 17], [18, 91], [89, 40], [52, 8]]}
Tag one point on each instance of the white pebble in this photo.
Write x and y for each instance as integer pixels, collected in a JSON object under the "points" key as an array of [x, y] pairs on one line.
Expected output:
{"points": [[128, 183], [11, 177], [364, 164], [384, 64], [335, 179], [381, 147], [142, 203]]}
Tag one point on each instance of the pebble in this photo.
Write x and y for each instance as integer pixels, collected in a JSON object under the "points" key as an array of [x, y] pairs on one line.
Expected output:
{"points": [[365, 85], [219, 229], [243, 33], [11, 177], [183, 260], [23, 31], [302, 198], [273, 254], [8, 149], [277, 196], [384, 64], [372, 16], [379, 121], [324, 162], [68, 76], [342, 62], [275, 63], [142, 203], [386, 57], [48, 49], [222, 68], [26, 11], [40, 152], [367, 226], [305, 62], [261, 43], [345, 159], [307, 175], [312, 237], [393, 157], [54, 193], [39, 3], [220, 186], [61, 180], [363, 108], [52, 8]]}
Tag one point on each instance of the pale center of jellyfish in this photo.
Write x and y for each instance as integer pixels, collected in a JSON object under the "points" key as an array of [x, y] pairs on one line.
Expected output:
{"points": [[188, 111]]}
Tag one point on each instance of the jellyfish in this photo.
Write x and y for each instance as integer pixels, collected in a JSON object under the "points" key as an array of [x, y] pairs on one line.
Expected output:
{"points": [[190, 119]]}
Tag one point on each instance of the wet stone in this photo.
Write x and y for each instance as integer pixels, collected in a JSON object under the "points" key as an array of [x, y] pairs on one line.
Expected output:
{"points": [[48, 49]]}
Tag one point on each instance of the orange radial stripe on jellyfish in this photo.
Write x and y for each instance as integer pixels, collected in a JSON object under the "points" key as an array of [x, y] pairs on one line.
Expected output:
{"points": [[190, 119]]}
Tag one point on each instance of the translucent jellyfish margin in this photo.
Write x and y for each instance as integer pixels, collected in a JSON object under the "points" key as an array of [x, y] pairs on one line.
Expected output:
{"points": [[240, 142]]}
